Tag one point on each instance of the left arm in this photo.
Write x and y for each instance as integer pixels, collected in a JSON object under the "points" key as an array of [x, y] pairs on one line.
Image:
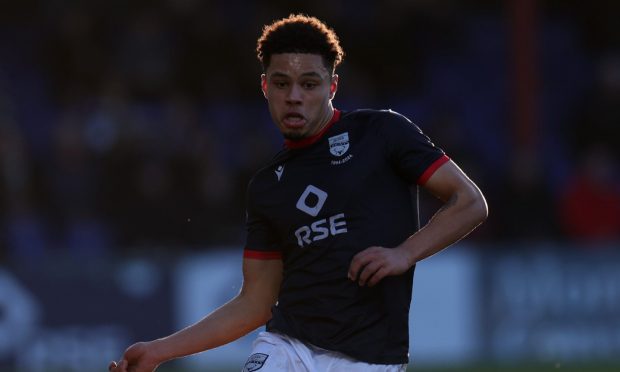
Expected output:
{"points": [[464, 208]]}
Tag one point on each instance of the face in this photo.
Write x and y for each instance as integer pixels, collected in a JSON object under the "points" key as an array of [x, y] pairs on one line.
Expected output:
{"points": [[299, 90]]}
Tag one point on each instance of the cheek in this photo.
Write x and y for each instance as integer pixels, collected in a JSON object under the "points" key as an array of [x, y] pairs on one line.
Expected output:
{"points": [[272, 105], [320, 100], [274, 108], [275, 96]]}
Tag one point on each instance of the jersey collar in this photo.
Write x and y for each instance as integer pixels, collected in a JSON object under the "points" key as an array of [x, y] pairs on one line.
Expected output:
{"points": [[290, 144]]}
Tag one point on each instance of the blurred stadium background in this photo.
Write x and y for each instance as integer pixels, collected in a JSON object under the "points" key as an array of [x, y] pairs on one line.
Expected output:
{"points": [[129, 131]]}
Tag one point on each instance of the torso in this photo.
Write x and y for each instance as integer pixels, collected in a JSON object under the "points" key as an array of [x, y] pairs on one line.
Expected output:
{"points": [[319, 206]]}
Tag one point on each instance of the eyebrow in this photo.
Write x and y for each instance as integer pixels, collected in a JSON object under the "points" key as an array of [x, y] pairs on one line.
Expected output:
{"points": [[305, 74]]}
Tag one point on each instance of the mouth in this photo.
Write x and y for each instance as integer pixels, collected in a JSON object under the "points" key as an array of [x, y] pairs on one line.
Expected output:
{"points": [[294, 120]]}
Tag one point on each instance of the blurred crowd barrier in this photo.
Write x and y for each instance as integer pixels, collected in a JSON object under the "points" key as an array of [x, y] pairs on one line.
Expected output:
{"points": [[547, 303]]}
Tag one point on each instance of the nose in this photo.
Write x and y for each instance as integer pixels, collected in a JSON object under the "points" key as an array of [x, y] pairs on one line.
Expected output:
{"points": [[295, 95]]}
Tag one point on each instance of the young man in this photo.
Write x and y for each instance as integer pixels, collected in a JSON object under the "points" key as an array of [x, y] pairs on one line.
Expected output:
{"points": [[333, 234]]}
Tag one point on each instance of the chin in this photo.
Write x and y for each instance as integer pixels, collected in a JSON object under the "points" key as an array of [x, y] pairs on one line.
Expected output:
{"points": [[294, 136]]}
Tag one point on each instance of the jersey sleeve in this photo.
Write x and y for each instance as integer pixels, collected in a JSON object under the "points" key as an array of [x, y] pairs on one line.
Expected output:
{"points": [[261, 242], [411, 152]]}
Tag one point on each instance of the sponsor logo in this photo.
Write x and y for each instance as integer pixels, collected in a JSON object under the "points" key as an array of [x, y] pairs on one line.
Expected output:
{"points": [[255, 362], [321, 229], [311, 201], [308, 196], [279, 170], [339, 144]]}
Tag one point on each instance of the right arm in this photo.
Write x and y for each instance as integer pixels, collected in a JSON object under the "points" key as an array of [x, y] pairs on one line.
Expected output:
{"points": [[250, 309]]}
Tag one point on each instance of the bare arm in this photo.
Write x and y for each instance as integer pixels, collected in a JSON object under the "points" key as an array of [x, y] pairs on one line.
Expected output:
{"points": [[464, 208], [247, 311]]}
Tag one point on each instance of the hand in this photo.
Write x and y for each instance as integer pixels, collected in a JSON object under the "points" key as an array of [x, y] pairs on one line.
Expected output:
{"points": [[137, 358], [375, 263]]}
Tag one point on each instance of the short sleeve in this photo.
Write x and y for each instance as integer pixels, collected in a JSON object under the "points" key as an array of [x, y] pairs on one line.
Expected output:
{"points": [[410, 151], [261, 241]]}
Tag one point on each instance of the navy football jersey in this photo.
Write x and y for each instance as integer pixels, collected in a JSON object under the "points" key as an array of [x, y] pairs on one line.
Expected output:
{"points": [[326, 198]]}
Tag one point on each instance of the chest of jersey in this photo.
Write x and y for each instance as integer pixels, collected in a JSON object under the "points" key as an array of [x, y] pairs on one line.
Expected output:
{"points": [[330, 191]]}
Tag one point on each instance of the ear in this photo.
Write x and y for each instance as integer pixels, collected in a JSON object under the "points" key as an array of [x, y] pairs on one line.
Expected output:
{"points": [[333, 88], [263, 84]]}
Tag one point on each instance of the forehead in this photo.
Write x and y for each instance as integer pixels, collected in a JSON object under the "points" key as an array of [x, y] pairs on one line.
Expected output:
{"points": [[294, 64]]}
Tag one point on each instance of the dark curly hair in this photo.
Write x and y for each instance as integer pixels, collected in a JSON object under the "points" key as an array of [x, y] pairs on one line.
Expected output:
{"points": [[299, 33]]}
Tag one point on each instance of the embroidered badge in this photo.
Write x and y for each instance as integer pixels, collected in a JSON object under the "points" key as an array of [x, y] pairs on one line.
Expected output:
{"points": [[255, 362], [339, 144]]}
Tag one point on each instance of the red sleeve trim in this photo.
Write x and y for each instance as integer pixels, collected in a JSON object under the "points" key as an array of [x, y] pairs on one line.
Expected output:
{"points": [[262, 255], [432, 168]]}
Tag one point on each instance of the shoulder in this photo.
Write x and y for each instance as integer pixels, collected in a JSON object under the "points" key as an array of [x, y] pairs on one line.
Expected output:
{"points": [[379, 119], [374, 116], [264, 177], [387, 124]]}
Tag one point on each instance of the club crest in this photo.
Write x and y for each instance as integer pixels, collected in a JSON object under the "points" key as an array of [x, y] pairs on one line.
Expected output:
{"points": [[338, 145], [255, 362]]}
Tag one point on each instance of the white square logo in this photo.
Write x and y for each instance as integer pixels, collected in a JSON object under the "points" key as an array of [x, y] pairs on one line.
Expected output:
{"points": [[313, 210]]}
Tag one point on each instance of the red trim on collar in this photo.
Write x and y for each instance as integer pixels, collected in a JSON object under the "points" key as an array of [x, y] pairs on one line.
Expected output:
{"points": [[310, 140]]}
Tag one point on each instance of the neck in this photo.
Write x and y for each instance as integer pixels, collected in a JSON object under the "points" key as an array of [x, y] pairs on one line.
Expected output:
{"points": [[326, 119]]}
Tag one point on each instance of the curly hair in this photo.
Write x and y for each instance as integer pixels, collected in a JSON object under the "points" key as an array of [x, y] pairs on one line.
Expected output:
{"points": [[299, 33]]}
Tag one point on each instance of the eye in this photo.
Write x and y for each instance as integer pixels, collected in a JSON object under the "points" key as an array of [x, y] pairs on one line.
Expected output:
{"points": [[280, 84], [309, 85]]}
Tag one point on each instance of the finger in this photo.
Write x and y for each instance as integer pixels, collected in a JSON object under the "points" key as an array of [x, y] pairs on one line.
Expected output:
{"points": [[357, 264], [368, 271], [378, 276], [112, 366], [359, 261]]}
